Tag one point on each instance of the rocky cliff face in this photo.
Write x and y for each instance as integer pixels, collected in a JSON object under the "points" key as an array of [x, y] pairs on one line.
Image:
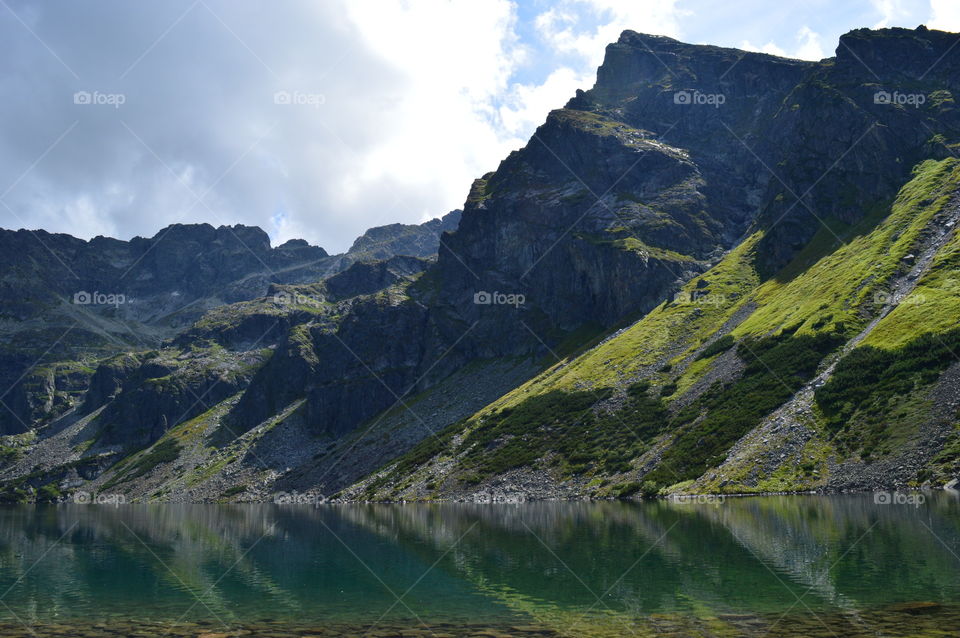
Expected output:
{"points": [[767, 132], [709, 172], [420, 240], [75, 302]]}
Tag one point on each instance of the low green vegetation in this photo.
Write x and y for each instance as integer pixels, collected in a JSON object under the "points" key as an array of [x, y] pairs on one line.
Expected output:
{"points": [[858, 401], [781, 329], [632, 244], [572, 430], [14, 492], [48, 493], [575, 433], [776, 367], [842, 290], [947, 462], [166, 450], [9, 454], [722, 344], [595, 123], [665, 335], [426, 450]]}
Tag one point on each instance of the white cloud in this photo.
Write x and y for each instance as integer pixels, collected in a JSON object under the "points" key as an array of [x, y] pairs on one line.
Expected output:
{"points": [[585, 27], [405, 116], [808, 46], [944, 15], [891, 11], [526, 105], [412, 100], [769, 47], [456, 59], [575, 34]]}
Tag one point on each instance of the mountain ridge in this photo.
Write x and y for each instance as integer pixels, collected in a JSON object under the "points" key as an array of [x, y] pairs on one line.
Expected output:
{"points": [[686, 247], [106, 295]]}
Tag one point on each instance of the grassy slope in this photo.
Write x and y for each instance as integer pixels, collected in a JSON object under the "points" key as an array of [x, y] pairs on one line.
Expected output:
{"points": [[836, 294], [844, 287], [933, 304], [666, 335]]}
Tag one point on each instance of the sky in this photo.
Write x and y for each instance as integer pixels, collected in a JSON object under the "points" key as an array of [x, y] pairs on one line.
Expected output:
{"points": [[319, 119]]}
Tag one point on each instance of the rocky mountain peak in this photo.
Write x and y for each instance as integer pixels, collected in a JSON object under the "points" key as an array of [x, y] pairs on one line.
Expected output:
{"points": [[897, 53]]}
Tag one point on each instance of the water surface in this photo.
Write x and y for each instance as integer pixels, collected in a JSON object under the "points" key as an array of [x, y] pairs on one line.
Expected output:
{"points": [[766, 566]]}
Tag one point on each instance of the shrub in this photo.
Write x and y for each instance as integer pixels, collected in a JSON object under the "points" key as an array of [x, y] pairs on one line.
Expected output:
{"points": [[48, 493], [856, 399], [567, 425], [649, 489], [776, 367], [623, 490], [722, 344]]}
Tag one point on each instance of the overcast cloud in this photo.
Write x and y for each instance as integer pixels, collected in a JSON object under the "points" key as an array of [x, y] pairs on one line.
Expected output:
{"points": [[317, 119]]}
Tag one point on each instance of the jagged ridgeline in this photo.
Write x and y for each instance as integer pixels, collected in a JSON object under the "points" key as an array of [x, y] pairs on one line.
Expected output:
{"points": [[713, 271]]}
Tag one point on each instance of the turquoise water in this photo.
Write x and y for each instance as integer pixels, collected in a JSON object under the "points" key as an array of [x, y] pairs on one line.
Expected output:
{"points": [[792, 565]]}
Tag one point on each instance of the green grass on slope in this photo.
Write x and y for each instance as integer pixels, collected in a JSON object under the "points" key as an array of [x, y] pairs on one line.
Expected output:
{"points": [[697, 313], [571, 434], [566, 428], [583, 439], [868, 384], [634, 245], [812, 313], [877, 393], [166, 450], [934, 305], [844, 288], [776, 367], [722, 344], [799, 319]]}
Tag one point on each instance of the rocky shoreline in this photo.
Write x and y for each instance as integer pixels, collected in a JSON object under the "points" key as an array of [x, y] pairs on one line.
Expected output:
{"points": [[901, 619], [517, 497]]}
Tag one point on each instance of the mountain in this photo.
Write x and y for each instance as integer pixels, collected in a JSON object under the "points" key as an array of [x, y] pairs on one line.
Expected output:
{"points": [[69, 303], [419, 240], [714, 271]]}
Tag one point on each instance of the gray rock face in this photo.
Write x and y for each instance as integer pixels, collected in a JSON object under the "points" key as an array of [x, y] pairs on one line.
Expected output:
{"points": [[66, 299], [364, 277], [766, 132], [108, 379], [383, 242], [590, 221], [165, 391]]}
